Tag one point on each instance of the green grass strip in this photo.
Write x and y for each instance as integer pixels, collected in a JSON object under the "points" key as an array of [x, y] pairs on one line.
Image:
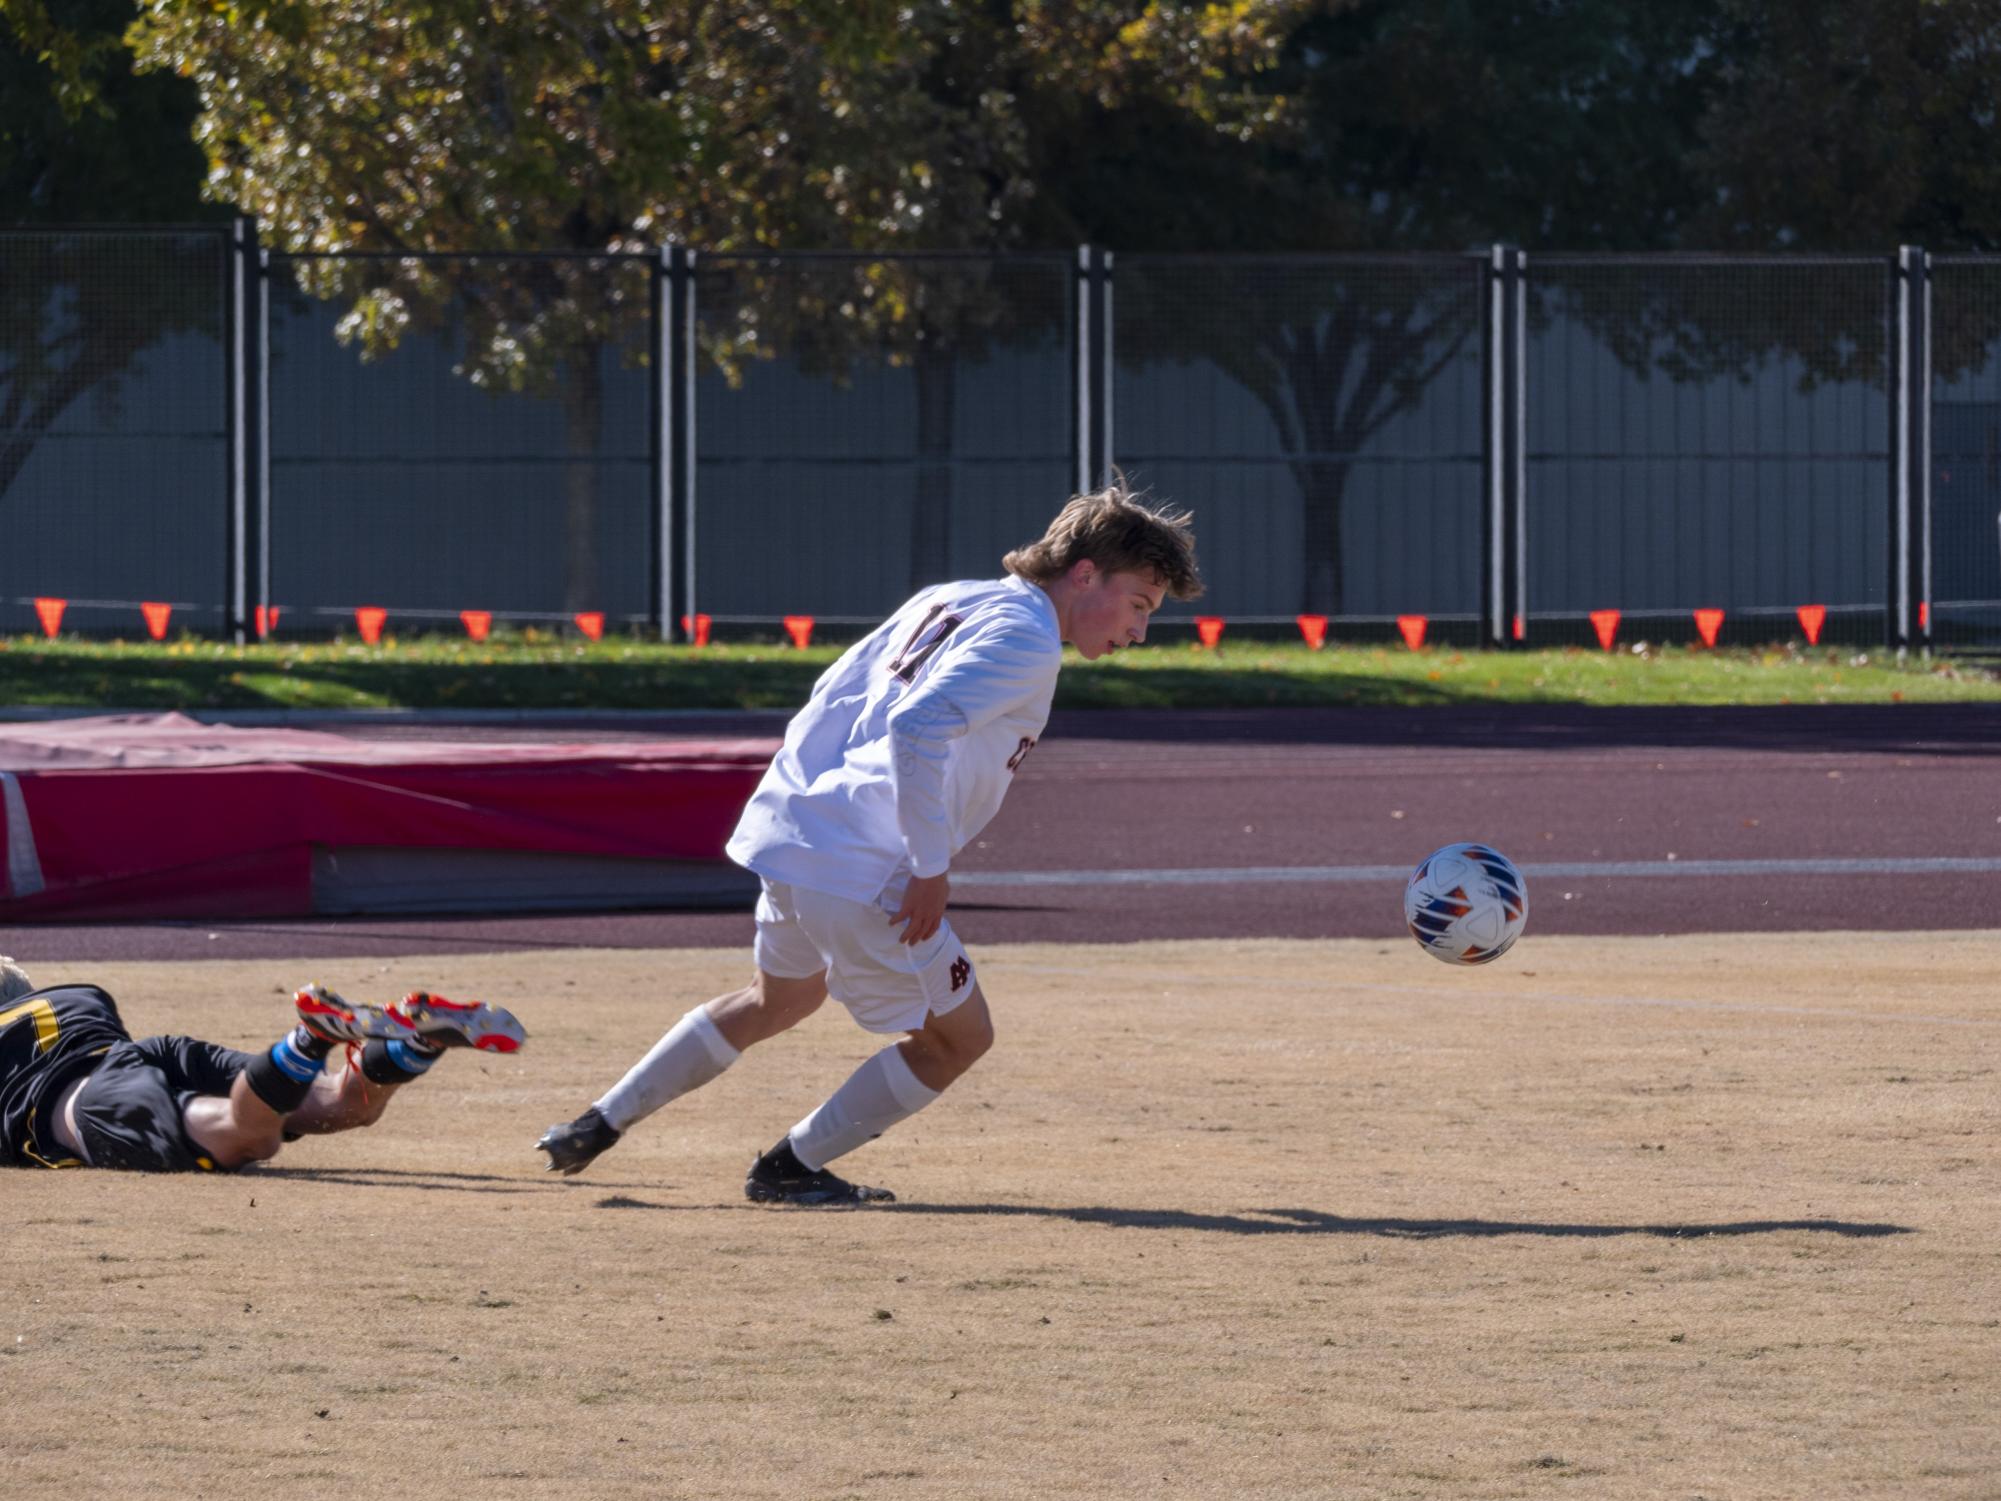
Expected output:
{"points": [[535, 671]]}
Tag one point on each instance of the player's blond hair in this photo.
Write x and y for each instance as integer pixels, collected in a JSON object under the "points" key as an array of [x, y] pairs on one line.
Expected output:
{"points": [[1113, 529], [14, 980]]}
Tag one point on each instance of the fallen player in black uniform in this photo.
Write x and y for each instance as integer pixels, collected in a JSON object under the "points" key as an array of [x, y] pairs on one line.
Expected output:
{"points": [[77, 1091]]}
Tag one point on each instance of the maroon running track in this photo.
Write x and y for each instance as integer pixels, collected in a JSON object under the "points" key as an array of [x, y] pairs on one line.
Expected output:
{"points": [[1151, 791]]}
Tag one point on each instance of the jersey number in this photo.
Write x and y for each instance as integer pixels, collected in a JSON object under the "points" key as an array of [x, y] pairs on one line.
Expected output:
{"points": [[918, 649], [46, 1027]]}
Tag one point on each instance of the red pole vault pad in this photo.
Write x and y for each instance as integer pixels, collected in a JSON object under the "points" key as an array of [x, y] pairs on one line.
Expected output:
{"points": [[149, 816]]}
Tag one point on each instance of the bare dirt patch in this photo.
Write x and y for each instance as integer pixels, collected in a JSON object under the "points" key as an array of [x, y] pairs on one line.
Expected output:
{"points": [[1612, 1218]]}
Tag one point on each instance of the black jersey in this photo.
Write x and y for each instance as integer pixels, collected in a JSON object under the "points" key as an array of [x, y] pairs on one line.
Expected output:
{"points": [[47, 1038]]}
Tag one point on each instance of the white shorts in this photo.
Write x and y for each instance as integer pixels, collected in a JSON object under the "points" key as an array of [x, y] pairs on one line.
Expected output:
{"points": [[887, 985]]}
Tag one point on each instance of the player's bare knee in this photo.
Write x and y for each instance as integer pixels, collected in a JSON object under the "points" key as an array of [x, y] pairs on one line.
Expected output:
{"points": [[765, 1007], [976, 1038], [946, 1046], [787, 1002]]}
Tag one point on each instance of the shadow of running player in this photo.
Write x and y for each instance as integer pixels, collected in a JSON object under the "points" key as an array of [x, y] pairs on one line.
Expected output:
{"points": [[1315, 1222]]}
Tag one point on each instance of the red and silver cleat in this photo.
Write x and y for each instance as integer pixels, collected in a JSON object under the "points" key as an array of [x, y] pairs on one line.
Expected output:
{"points": [[331, 1016], [459, 1024]]}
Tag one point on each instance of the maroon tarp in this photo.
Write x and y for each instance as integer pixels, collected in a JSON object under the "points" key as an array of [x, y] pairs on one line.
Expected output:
{"points": [[162, 816]]}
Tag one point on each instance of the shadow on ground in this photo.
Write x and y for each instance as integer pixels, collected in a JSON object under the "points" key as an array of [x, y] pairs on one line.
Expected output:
{"points": [[1315, 1222]]}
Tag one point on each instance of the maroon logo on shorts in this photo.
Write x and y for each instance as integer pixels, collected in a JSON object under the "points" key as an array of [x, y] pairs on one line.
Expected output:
{"points": [[1020, 753], [962, 971]]}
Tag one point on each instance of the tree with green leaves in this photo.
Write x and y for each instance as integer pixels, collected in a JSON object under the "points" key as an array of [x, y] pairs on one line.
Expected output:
{"points": [[616, 125], [1409, 125]]}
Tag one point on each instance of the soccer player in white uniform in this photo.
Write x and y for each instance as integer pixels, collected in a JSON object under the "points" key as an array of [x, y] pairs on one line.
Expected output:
{"points": [[900, 757]]}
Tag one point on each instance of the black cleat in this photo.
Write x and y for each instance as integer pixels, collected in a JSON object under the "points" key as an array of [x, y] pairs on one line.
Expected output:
{"points": [[573, 1146], [779, 1177]]}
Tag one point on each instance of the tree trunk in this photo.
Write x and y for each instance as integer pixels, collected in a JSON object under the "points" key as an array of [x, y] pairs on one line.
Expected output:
{"points": [[936, 368], [1322, 484], [17, 443], [583, 413]]}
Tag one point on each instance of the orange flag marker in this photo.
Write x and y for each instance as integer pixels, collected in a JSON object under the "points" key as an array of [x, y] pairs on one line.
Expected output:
{"points": [[51, 613], [266, 620], [1709, 622], [1812, 618], [1520, 633], [477, 623], [1412, 627], [1209, 628], [1606, 624], [1314, 629], [696, 628], [1924, 614], [369, 618], [801, 627], [156, 618], [591, 623]]}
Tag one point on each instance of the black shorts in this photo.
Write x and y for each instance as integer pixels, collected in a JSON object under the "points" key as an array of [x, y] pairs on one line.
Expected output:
{"points": [[129, 1111]]}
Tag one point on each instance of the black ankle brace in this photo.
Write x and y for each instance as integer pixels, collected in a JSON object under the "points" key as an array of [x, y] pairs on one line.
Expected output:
{"points": [[379, 1067]]}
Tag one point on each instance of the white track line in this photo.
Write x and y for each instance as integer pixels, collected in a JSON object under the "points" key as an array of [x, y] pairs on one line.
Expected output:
{"points": [[1224, 875]]}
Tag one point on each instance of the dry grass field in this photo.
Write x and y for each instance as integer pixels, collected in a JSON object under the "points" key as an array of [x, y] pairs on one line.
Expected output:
{"points": [[1686, 1217]]}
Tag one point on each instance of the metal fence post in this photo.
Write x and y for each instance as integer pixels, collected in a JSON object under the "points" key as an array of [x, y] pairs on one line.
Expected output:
{"points": [[1492, 423], [659, 443], [239, 362], [1897, 598], [1918, 443], [1517, 537], [677, 556], [1081, 347], [1504, 574], [260, 510], [1093, 350], [1101, 400]]}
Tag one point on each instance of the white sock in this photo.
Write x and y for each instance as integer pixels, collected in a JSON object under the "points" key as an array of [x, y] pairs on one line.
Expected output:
{"points": [[692, 1053], [875, 1097]]}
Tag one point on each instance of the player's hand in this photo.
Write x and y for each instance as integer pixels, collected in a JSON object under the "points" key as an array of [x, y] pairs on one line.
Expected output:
{"points": [[923, 908]]}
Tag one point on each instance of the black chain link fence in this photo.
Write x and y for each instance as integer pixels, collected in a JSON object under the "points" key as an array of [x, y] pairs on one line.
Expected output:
{"points": [[865, 426], [1708, 434], [1323, 419], [114, 420], [432, 435], [1965, 426], [450, 434]]}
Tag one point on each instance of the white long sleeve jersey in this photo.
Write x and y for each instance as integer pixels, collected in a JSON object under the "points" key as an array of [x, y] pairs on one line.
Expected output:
{"points": [[908, 743]]}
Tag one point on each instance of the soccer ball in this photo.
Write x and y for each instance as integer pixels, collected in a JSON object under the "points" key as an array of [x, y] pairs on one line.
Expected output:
{"points": [[1466, 904]]}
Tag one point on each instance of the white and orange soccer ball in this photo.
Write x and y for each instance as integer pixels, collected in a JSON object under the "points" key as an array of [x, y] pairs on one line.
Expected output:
{"points": [[1466, 903]]}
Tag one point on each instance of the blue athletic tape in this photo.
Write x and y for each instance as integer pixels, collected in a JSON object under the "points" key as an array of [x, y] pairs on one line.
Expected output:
{"points": [[411, 1060], [295, 1063]]}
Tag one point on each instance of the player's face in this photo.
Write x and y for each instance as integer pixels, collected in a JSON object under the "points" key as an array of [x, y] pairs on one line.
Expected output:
{"points": [[1111, 611]]}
